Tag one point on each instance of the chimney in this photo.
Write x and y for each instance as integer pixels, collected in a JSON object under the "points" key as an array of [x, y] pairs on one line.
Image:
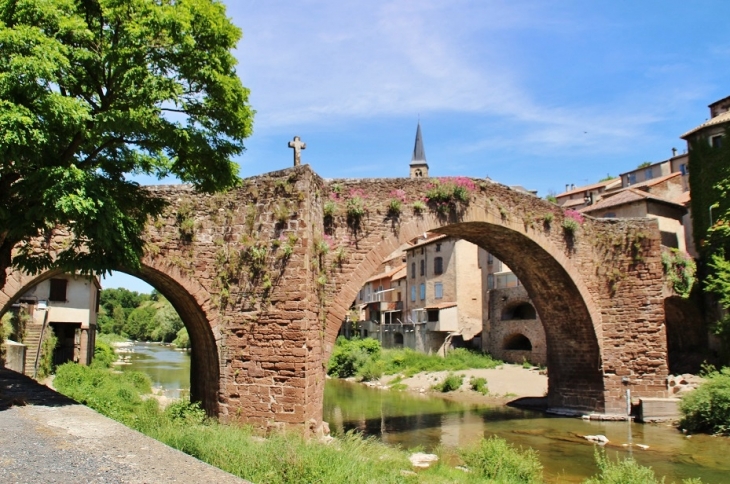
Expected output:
{"points": [[674, 152], [567, 187], [572, 186]]}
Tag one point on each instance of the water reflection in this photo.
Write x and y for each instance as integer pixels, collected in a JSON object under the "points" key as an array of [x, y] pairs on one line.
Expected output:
{"points": [[168, 368], [412, 420]]}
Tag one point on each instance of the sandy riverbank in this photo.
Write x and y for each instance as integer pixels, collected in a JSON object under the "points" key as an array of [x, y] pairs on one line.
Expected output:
{"points": [[506, 383]]}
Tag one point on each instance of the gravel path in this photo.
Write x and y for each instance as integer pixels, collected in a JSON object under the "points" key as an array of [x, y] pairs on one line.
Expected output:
{"points": [[47, 438]]}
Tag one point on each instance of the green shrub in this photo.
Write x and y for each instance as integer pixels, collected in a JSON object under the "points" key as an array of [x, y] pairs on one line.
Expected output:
{"points": [[450, 383], [182, 340], [371, 370], [104, 355], [570, 226], [500, 462], [45, 360], [349, 357], [707, 409], [185, 411], [623, 471], [479, 384]]}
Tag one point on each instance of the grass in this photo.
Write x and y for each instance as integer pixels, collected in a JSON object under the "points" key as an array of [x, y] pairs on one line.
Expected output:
{"points": [[288, 458], [111, 338], [409, 362], [625, 471], [367, 360], [279, 459], [479, 384], [450, 383]]}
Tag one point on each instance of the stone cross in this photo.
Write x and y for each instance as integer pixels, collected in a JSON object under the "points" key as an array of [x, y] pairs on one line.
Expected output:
{"points": [[298, 147]]}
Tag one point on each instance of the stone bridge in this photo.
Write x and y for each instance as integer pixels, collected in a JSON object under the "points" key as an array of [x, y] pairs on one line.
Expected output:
{"points": [[263, 276]]}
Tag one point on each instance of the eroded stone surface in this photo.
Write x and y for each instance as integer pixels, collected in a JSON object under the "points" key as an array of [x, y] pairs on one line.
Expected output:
{"points": [[262, 279]]}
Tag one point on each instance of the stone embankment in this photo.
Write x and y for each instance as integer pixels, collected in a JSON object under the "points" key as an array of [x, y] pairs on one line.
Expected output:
{"points": [[46, 437]]}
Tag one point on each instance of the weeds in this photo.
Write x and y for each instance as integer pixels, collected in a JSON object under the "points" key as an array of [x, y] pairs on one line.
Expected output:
{"points": [[479, 384], [450, 383]]}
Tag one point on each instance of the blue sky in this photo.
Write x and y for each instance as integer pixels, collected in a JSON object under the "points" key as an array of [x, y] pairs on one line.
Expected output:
{"points": [[532, 93]]}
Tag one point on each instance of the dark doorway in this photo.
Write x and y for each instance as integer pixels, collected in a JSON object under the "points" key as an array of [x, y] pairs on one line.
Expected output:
{"points": [[518, 342], [68, 347]]}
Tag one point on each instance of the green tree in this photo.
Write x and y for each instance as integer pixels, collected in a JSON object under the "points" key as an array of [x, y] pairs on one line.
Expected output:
{"points": [[141, 322], [167, 323], [93, 91]]}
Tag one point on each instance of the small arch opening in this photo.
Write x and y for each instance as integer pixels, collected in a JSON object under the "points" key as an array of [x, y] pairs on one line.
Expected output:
{"points": [[522, 310], [398, 339], [517, 342]]}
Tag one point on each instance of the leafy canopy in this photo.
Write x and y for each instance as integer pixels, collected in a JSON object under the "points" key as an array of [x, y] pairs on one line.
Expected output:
{"points": [[92, 91]]}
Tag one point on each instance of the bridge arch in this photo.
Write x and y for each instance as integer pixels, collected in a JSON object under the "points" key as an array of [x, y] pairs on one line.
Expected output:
{"points": [[569, 315], [191, 302]]}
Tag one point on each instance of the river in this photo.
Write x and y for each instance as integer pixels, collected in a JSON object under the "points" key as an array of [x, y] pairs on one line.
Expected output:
{"points": [[421, 421]]}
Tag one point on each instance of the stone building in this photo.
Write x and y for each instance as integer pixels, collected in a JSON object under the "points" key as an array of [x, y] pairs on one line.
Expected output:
{"points": [[512, 330], [66, 304]]}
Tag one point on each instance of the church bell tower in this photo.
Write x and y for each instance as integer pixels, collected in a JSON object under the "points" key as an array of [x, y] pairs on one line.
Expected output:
{"points": [[419, 167]]}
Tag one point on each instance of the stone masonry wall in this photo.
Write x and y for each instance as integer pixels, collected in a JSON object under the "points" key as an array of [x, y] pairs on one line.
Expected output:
{"points": [[263, 276]]}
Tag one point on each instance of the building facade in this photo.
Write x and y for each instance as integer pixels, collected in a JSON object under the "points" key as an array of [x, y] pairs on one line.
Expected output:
{"points": [[67, 305]]}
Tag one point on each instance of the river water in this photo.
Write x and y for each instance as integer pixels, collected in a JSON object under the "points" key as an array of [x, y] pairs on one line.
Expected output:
{"points": [[420, 421]]}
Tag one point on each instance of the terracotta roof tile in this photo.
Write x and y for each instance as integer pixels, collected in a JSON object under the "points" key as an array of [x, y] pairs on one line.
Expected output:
{"points": [[589, 187], [719, 119], [624, 197]]}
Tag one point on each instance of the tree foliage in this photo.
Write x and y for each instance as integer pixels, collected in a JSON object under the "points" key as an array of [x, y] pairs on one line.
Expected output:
{"points": [[94, 91]]}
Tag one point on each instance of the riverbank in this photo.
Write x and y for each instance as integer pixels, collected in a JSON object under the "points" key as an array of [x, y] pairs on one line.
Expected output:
{"points": [[505, 383]]}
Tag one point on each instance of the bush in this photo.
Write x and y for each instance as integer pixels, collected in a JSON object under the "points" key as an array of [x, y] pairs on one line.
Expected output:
{"points": [[479, 384], [450, 383], [371, 370], [185, 411], [183, 339], [623, 471], [500, 462], [350, 356], [707, 409], [104, 355], [48, 345]]}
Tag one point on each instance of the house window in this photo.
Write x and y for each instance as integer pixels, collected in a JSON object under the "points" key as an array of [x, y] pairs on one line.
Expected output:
{"points": [[683, 168], [58, 290], [422, 287], [413, 293], [438, 265], [490, 258], [716, 141], [438, 247], [609, 215], [490, 281], [632, 178], [648, 175], [438, 290], [423, 267], [413, 270]]}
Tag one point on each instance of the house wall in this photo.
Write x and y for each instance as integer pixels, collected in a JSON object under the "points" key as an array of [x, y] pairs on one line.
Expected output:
{"points": [[640, 174], [469, 288]]}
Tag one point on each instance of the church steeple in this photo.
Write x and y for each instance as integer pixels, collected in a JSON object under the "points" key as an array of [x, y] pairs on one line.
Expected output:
{"points": [[419, 167]]}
